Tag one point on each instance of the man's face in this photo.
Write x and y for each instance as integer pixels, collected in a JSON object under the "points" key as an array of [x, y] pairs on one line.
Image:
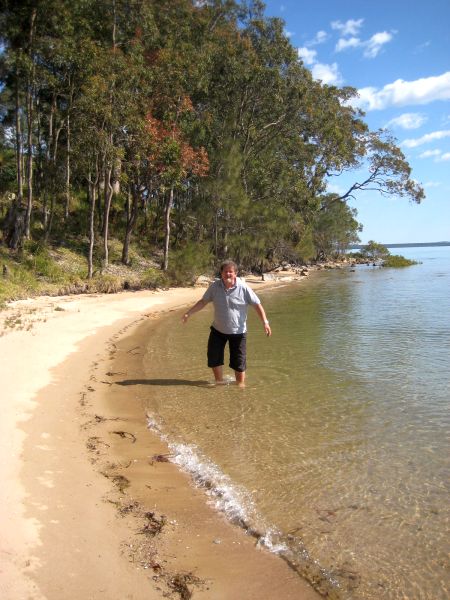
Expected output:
{"points": [[229, 276]]}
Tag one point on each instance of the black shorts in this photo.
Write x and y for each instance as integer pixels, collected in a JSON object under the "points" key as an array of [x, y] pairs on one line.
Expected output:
{"points": [[238, 349]]}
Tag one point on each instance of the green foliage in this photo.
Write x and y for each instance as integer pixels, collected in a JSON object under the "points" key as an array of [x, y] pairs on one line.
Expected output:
{"points": [[305, 248], [43, 270], [154, 278], [7, 170], [357, 255], [183, 121], [375, 251], [189, 262], [335, 227], [395, 260]]}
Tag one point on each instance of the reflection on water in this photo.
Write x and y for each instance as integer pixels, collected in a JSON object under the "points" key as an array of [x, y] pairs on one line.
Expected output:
{"points": [[340, 437]]}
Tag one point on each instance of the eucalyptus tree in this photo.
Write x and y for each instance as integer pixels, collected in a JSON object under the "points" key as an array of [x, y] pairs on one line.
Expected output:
{"points": [[38, 41], [389, 173], [18, 26], [335, 227], [200, 110]]}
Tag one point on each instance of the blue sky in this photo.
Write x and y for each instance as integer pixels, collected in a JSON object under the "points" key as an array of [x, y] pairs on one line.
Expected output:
{"points": [[396, 53]]}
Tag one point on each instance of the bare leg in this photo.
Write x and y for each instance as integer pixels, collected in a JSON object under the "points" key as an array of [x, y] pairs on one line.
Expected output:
{"points": [[218, 374], [240, 378]]}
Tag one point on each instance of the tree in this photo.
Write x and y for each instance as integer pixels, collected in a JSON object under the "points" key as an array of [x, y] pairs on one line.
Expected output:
{"points": [[335, 227], [175, 161], [389, 171], [374, 251], [185, 121]]}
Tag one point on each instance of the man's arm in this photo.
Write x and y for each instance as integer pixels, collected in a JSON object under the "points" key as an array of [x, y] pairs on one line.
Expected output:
{"points": [[262, 315], [198, 306]]}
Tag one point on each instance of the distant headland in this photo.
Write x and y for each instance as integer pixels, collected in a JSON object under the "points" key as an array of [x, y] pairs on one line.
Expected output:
{"points": [[410, 245]]}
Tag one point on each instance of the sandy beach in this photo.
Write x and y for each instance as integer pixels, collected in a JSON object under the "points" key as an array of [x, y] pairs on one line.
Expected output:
{"points": [[92, 507]]}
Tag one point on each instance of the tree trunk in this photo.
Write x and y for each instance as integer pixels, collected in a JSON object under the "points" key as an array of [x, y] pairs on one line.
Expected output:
{"points": [[67, 205], [30, 109], [108, 198], [19, 147], [132, 210], [44, 210], [167, 210], [29, 160], [52, 157], [14, 224], [92, 196], [50, 214], [14, 227], [92, 189]]}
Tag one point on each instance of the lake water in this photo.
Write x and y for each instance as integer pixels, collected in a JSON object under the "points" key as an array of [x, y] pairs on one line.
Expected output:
{"points": [[337, 450]]}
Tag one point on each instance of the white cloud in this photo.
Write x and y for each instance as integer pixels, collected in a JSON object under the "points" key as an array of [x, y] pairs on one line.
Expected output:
{"points": [[429, 137], [343, 44], [320, 37], [327, 74], [402, 93], [372, 47], [445, 156], [376, 42], [430, 153], [432, 184], [350, 27], [408, 121], [308, 56]]}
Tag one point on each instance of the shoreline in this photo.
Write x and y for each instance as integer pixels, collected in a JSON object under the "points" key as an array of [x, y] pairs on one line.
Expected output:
{"points": [[86, 485]]}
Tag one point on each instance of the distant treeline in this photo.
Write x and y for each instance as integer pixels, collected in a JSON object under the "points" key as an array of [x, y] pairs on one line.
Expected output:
{"points": [[177, 125]]}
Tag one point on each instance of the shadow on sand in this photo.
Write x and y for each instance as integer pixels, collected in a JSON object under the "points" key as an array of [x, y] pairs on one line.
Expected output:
{"points": [[164, 382]]}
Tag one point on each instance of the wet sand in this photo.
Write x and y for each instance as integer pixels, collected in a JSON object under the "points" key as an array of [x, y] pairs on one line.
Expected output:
{"points": [[94, 507]]}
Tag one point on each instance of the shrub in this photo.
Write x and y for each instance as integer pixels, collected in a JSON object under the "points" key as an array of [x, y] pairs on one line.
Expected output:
{"points": [[186, 264], [153, 278], [395, 260]]}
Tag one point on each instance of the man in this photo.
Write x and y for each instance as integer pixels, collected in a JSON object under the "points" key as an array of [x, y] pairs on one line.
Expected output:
{"points": [[231, 297]]}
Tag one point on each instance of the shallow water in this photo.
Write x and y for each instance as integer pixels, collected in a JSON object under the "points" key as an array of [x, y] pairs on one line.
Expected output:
{"points": [[337, 449]]}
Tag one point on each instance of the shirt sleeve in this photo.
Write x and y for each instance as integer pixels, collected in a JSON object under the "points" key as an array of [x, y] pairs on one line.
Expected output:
{"points": [[208, 296], [250, 296]]}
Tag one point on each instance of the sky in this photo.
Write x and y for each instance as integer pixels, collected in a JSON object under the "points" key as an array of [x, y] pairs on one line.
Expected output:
{"points": [[396, 53]]}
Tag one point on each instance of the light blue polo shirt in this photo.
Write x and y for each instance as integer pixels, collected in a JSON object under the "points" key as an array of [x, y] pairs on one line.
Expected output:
{"points": [[230, 306]]}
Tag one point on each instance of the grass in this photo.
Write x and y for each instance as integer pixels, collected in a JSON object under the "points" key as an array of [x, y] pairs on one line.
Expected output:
{"points": [[41, 270]]}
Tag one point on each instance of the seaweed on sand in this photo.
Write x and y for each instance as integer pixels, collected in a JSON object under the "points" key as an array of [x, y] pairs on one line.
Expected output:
{"points": [[119, 481], [154, 525], [160, 458], [179, 584], [125, 435]]}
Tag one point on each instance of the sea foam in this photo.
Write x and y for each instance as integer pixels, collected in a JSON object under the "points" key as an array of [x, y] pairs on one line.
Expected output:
{"points": [[236, 503]]}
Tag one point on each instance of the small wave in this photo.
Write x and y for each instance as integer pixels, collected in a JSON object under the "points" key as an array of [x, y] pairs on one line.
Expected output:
{"points": [[237, 505], [235, 502]]}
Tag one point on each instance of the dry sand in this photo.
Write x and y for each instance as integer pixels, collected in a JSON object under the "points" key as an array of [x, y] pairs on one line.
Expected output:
{"points": [[89, 509]]}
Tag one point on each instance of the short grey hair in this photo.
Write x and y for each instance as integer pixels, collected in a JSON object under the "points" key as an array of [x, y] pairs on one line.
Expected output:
{"points": [[228, 263]]}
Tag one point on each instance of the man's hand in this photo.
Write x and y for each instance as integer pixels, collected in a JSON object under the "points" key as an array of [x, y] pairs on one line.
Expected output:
{"points": [[267, 329], [197, 306]]}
